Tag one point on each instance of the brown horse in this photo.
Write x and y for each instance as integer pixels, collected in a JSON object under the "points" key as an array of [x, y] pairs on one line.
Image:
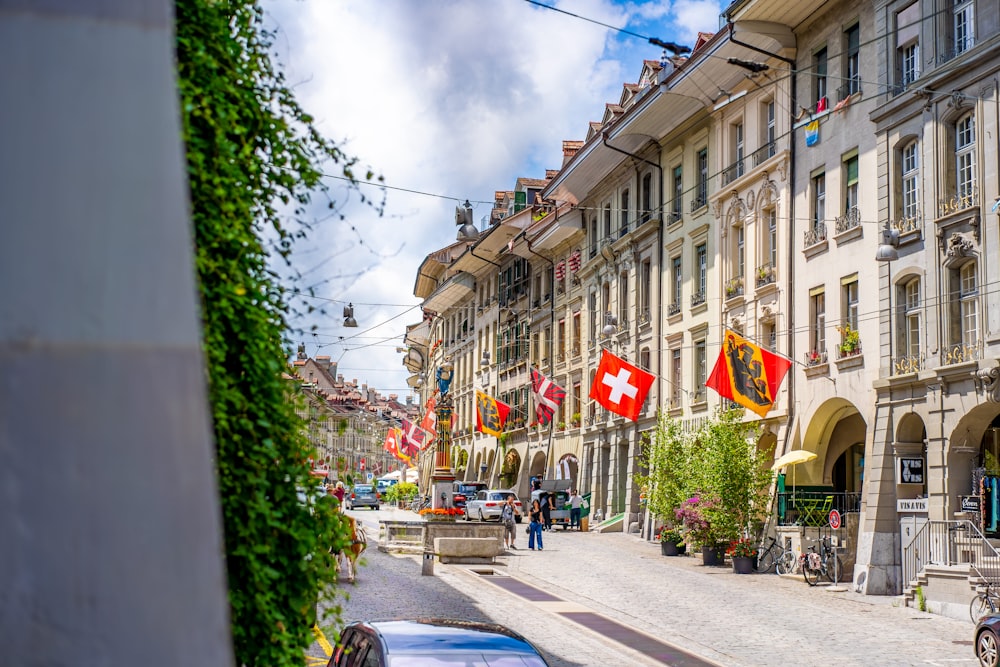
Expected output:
{"points": [[359, 542]]}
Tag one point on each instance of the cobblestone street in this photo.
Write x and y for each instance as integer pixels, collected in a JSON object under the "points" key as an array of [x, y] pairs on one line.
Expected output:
{"points": [[724, 618]]}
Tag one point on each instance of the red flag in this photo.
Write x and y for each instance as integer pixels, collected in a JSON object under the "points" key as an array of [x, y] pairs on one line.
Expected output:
{"points": [[429, 422], [392, 442], [748, 375], [491, 414], [620, 387], [414, 438], [548, 396]]}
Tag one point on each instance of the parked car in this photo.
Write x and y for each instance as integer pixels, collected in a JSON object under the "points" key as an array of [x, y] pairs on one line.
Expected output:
{"points": [[362, 495], [487, 503], [463, 491], [439, 642], [987, 640]]}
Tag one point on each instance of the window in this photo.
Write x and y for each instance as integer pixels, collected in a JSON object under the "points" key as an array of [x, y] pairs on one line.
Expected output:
{"points": [[562, 338], [677, 281], [741, 247], [819, 200], [964, 33], [645, 287], [595, 315], [736, 170], [769, 133], [771, 244], [700, 368], [968, 293], [702, 193], [911, 319], [676, 379], [576, 333], [701, 252], [910, 170], [678, 192], [623, 214], [852, 61], [819, 80], [850, 184], [965, 156], [593, 237], [513, 281], [623, 309], [817, 316], [646, 197], [907, 46], [849, 302], [607, 221]]}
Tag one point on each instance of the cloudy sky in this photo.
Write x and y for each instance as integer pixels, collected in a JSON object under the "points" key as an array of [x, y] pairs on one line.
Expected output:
{"points": [[447, 100]]}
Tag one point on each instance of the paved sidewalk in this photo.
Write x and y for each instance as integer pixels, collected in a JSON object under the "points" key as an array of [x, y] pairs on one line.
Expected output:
{"points": [[728, 619]]}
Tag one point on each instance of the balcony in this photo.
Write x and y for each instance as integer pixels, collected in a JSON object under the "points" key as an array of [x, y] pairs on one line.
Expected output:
{"points": [[672, 217], [673, 309], [962, 352], [909, 363], [700, 201], [734, 287], [957, 202], [697, 299], [765, 275], [848, 89], [733, 171], [848, 221], [816, 358], [763, 154], [644, 317], [946, 55], [908, 225], [815, 235]]}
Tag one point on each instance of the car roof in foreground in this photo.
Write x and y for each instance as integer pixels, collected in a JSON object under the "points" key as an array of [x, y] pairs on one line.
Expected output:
{"points": [[437, 635]]}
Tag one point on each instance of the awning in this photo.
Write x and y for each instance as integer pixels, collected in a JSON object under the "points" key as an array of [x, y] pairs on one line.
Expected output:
{"points": [[451, 292]]}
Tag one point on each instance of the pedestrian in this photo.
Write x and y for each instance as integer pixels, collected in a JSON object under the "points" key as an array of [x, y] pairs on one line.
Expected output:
{"points": [[535, 527], [548, 504], [508, 516], [339, 493], [575, 504]]}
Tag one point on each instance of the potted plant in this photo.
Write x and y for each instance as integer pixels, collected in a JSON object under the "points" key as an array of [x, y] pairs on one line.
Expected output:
{"points": [[744, 555], [671, 542], [694, 515], [561, 426], [575, 419], [850, 342]]}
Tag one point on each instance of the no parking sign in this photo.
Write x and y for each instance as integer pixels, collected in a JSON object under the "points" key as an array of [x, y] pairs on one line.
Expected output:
{"points": [[834, 519]]}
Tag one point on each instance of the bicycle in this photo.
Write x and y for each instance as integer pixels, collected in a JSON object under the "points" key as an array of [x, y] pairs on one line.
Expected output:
{"points": [[987, 601], [775, 557], [825, 563]]}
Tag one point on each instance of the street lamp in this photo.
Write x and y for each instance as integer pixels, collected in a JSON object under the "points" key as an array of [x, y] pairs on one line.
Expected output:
{"points": [[610, 325], [887, 253], [349, 320], [467, 232]]}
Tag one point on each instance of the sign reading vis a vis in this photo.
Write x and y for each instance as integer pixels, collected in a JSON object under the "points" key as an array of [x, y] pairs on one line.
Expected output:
{"points": [[911, 505], [911, 470]]}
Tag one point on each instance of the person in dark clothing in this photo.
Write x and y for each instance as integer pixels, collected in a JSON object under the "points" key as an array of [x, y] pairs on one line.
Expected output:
{"points": [[547, 507], [535, 527]]}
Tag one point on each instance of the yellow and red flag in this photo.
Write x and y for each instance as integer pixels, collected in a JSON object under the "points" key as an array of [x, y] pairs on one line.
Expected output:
{"points": [[392, 441], [491, 414], [746, 374]]}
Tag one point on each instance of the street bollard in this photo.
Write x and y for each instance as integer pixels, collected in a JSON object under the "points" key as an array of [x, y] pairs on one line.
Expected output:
{"points": [[428, 566]]}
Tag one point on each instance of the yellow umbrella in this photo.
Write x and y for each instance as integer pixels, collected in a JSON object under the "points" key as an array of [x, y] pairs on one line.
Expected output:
{"points": [[793, 457]]}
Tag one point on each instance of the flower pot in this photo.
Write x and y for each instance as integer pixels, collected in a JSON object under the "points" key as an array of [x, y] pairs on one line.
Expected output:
{"points": [[713, 555], [672, 548], [742, 564]]}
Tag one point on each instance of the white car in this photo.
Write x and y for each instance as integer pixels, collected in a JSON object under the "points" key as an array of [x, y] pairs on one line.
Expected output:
{"points": [[486, 505]]}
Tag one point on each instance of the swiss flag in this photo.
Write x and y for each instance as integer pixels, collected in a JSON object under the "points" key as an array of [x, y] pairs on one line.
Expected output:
{"points": [[620, 387]]}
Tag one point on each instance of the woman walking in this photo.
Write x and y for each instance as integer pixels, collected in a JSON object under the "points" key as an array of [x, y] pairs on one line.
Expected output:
{"points": [[535, 527]]}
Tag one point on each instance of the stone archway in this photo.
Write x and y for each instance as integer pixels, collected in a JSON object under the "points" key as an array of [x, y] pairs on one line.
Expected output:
{"points": [[509, 469], [971, 445], [568, 468]]}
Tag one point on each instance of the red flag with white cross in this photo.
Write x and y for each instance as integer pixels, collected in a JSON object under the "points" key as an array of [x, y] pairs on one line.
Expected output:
{"points": [[620, 387]]}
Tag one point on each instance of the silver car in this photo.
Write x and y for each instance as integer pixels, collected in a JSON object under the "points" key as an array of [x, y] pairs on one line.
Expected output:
{"points": [[487, 504], [362, 495]]}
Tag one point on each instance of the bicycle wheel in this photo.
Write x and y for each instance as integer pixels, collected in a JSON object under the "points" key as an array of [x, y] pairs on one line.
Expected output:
{"points": [[785, 564], [767, 560], [840, 570], [811, 575], [979, 607]]}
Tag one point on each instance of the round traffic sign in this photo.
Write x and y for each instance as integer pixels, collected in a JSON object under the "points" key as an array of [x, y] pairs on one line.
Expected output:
{"points": [[834, 519]]}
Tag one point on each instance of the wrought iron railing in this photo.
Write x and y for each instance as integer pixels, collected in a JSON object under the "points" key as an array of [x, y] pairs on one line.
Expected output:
{"points": [[962, 352], [812, 508], [733, 171], [734, 287], [762, 154], [849, 220], [908, 224], [765, 274], [907, 363], [698, 202], [815, 358], [697, 299], [673, 309], [959, 201], [815, 235]]}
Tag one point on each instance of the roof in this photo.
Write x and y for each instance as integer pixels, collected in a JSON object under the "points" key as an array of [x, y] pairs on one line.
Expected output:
{"points": [[435, 636]]}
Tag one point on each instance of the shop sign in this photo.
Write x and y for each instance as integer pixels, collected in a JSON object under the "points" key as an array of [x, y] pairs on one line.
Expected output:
{"points": [[970, 503], [911, 470], [911, 505]]}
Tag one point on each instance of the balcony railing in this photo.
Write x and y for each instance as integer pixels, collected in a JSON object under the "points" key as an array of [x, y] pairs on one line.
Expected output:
{"points": [[849, 220], [907, 363], [734, 287], [816, 358], [962, 352], [764, 153], [847, 351], [698, 202], [697, 299], [765, 274], [733, 171], [673, 309], [905, 225], [644, 317], [815, 235], [672, 217], [957, 202], [848, 89], [944, 55]]}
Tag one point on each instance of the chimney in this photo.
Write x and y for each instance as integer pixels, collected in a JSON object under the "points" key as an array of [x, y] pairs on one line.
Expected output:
{"points": [[323, 361]]}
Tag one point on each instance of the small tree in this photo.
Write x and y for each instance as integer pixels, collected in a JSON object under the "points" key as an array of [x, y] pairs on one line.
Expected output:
{"points": [[730, 467], [664, 458]]}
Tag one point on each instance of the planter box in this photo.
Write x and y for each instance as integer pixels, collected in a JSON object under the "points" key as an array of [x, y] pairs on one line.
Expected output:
{"points": [[672, 548], [713, 556]]}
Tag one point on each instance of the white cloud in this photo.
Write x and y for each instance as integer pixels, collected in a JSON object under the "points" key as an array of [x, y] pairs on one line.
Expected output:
{"points": [[453, 97]]}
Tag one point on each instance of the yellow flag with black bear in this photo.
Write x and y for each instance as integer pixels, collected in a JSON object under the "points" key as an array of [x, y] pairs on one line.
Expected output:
{"points": [[491, 414], [748, 375]]}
